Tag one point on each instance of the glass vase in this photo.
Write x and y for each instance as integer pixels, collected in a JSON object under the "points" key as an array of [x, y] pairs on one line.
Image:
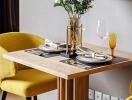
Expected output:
{"points": [[74, 35]]}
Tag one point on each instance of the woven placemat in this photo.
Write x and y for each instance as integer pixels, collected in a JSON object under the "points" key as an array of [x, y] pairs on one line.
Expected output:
{"points": [[80, 64], [41, 53]]}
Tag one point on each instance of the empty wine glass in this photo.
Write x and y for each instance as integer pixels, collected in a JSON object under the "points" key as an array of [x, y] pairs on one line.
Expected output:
{"points": [[102, 29]]}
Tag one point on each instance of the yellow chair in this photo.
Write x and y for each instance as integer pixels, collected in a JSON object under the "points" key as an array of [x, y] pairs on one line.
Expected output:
{"points": [[130, 98], [131, 88], [27, 82]]}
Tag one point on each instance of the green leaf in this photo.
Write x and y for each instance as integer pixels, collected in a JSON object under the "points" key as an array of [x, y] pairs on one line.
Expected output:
{"points": [[75, 6], [57, 4], [69, 7]]}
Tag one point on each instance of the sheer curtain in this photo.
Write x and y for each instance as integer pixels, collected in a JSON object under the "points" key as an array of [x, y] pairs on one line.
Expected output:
{"points": [[9, 15]]}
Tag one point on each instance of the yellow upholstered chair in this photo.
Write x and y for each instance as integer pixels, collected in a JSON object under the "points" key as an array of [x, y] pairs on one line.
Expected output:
{"points": [[131, 89], [130, 98], [26, 82]]}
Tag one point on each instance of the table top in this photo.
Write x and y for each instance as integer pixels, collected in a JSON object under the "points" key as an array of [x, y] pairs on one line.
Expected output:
{"points": [[53, 65]]}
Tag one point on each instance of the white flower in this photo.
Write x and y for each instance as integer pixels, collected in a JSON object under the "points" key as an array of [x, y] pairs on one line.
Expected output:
{"points": [[57, 1], [80, 0]]}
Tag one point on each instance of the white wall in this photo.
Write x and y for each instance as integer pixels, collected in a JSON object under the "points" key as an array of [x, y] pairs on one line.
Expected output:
{"points": [[40, 17]]}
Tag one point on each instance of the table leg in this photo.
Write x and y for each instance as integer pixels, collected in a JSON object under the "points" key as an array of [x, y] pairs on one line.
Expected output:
{"points": [[58, 87], [61, 89], [69, 90], [80, 89], [74, 89]]}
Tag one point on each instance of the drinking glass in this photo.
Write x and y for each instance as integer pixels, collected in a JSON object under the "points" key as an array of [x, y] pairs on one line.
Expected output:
{"points": [[102, 29], [112, 42]]}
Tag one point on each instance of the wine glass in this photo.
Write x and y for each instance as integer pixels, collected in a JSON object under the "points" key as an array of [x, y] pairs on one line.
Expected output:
{"points": [[112, 42], [102, 29]]}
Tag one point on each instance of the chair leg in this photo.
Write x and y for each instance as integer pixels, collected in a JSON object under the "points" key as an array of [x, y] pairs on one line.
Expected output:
{"points": [[34, 97], [3, 95], [28, 98]]}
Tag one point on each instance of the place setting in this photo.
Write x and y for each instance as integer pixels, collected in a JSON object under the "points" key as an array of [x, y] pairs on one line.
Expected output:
{"points": [[49, 49]]}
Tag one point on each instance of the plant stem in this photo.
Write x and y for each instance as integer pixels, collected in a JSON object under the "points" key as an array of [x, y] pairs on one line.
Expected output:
{"points": [[65, 7]]}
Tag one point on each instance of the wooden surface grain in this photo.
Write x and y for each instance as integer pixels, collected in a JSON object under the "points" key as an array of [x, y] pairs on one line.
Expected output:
{"points": [[80, 88], [53, 65]]}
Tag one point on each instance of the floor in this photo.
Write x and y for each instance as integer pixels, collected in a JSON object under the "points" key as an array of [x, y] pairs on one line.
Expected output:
{"points": [[52, 95]]}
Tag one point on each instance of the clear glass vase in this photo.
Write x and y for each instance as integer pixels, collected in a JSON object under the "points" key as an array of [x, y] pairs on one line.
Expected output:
{"points": [[74, 35]]}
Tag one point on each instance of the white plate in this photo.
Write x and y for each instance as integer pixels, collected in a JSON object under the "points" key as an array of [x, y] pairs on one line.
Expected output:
{"points": [[95, 60], [51, 49]]}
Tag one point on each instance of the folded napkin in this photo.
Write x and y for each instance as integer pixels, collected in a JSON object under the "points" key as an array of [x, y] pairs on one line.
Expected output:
{"points": [[7, 68], [49, 45], [96, 56]]}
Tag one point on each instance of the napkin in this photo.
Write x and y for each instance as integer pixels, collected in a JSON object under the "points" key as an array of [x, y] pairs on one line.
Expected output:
{"points": [[95, 56], [49, 46], [51, 43]]}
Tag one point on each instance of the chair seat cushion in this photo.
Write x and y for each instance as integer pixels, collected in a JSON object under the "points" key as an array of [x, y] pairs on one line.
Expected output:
{"points": [[129, 98], [29, 82]]}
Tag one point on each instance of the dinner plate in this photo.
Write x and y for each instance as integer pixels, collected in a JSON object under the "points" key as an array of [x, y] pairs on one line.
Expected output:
{"points": [[49, 49], [94, 60]]}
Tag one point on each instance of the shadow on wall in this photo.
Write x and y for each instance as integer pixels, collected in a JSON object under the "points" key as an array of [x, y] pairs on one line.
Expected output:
{"points": [[115, 82]]}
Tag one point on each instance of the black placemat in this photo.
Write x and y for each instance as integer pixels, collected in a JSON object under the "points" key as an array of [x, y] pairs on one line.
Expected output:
{"points": [[39, 52], [80, 64]]}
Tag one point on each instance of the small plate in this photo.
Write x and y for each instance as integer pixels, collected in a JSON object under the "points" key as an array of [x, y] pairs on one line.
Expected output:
{"points": [[94, 60]]}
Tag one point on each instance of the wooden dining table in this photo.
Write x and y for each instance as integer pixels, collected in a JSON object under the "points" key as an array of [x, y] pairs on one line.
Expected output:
{"points": [[72, 81]]}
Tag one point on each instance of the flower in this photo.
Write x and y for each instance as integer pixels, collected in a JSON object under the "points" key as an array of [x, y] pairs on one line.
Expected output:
{"points": [[57, 1], [80, 1]]}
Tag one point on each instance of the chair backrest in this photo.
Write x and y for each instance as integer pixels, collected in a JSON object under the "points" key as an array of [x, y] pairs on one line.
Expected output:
{"points": [[14, 41], [131, 89], [7, 68]]}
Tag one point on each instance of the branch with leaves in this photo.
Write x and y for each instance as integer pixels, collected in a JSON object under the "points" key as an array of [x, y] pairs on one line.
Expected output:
{"points": [[74, 7]]}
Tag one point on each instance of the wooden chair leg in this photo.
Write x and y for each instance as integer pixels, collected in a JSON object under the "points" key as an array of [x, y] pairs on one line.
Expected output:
{"points": [[28, 98], [34, 97], [3, 95]]}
